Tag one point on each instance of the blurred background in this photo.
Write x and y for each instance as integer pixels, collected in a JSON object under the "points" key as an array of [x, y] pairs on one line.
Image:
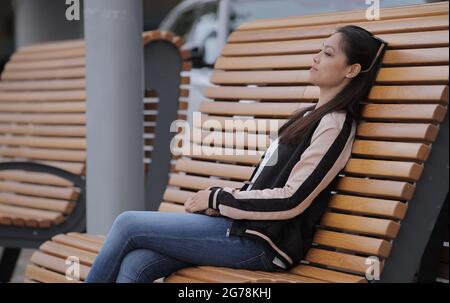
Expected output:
{"points": [[204, 24]]}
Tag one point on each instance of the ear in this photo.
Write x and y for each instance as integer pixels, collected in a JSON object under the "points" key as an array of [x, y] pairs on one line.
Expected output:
{"points": [[353, 70]]}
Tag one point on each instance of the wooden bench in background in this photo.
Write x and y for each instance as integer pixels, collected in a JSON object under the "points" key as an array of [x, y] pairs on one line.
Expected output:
{"points": [[262, 75], [42, 134]]}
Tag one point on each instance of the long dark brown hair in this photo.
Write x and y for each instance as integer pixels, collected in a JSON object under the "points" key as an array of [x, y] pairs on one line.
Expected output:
{"points": [[359, 46]]}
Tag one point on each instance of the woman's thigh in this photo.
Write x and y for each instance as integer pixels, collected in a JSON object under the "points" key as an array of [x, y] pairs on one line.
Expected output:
{"points": [[192, 238]]}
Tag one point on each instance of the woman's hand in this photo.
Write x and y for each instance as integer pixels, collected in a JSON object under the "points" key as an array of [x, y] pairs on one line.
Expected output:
{"points": [[198, 202]]}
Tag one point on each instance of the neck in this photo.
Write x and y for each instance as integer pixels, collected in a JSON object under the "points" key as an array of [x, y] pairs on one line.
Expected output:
{"points": [[328, 93]]}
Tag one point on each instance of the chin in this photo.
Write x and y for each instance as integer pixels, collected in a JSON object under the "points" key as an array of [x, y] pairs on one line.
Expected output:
{"points": [[311, 79]]}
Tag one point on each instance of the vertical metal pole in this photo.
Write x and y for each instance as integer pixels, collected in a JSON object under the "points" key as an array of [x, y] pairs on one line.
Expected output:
{"points": [[114, 71], [223, 23]]}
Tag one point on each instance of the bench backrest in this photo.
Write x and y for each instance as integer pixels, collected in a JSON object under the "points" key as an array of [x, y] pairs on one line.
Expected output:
{"points": [[42, 120], [262, 75]]}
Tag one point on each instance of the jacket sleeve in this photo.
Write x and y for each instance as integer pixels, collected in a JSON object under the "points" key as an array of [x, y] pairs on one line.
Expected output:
{"points": [[319, 164]]}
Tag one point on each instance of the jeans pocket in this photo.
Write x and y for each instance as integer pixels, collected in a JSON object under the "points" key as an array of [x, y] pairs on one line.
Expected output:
{"points": [[258, 262]]}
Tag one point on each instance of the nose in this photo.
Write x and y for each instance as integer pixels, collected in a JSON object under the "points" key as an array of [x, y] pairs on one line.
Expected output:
{"points": [[316, 58]]}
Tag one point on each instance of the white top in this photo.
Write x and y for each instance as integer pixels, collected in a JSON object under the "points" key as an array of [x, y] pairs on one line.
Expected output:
{"points": [[272, 148], [268, 154]]}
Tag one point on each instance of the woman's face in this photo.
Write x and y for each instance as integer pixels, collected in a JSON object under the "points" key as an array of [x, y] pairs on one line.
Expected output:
{"points": [[329, 67]]}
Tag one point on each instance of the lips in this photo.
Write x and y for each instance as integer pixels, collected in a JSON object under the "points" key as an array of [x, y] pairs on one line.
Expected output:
{"points": [[313, 68]]}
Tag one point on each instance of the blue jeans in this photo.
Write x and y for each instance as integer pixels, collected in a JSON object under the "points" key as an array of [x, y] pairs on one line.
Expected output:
{"points": [[143, 246]]}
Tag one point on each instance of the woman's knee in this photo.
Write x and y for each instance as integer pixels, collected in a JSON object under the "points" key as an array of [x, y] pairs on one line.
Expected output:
{"points": [[135, 264], [124, 220]]}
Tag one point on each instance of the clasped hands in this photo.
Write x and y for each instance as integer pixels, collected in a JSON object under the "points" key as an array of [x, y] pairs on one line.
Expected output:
{"points": [[198, 202]]}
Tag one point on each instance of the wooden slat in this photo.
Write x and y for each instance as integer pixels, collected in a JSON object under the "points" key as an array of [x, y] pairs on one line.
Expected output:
{"points": [[337, 260], [176, 195], [44, 154], [45, 142], [175, 278], [221, 77], [211, 276], [34, 177], [326, 275], [360, 244], [284, 277], [43, 130], [227, 275], [44, 275], [67, 119], [397, 131], [214, 169], [39, 190], [264, 62], [429, 93], [199, 183], [368, 206], [170, 207], [416, 93], [73, 167], [44, 85], [421, 56], [395, 41], [85, 245], [385, 149], [52, 46], [76, 95], [42, 217], [230, 155], [412, 112], [85, 237], [66, 73], [56, 205], [266, 109], [240, 123], [8, 217], [53, 107], [237, 140], [50, 55], [45, 64], [375, 112], [63, 251], [260, 93], [410, 171], [362, 225], [386, 75], [258, 276], [376, 188], [414, 74]]}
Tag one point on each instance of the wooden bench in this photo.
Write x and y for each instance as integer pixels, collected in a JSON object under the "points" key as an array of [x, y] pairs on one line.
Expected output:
{"points": [[262, 75], [42, 134]]}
